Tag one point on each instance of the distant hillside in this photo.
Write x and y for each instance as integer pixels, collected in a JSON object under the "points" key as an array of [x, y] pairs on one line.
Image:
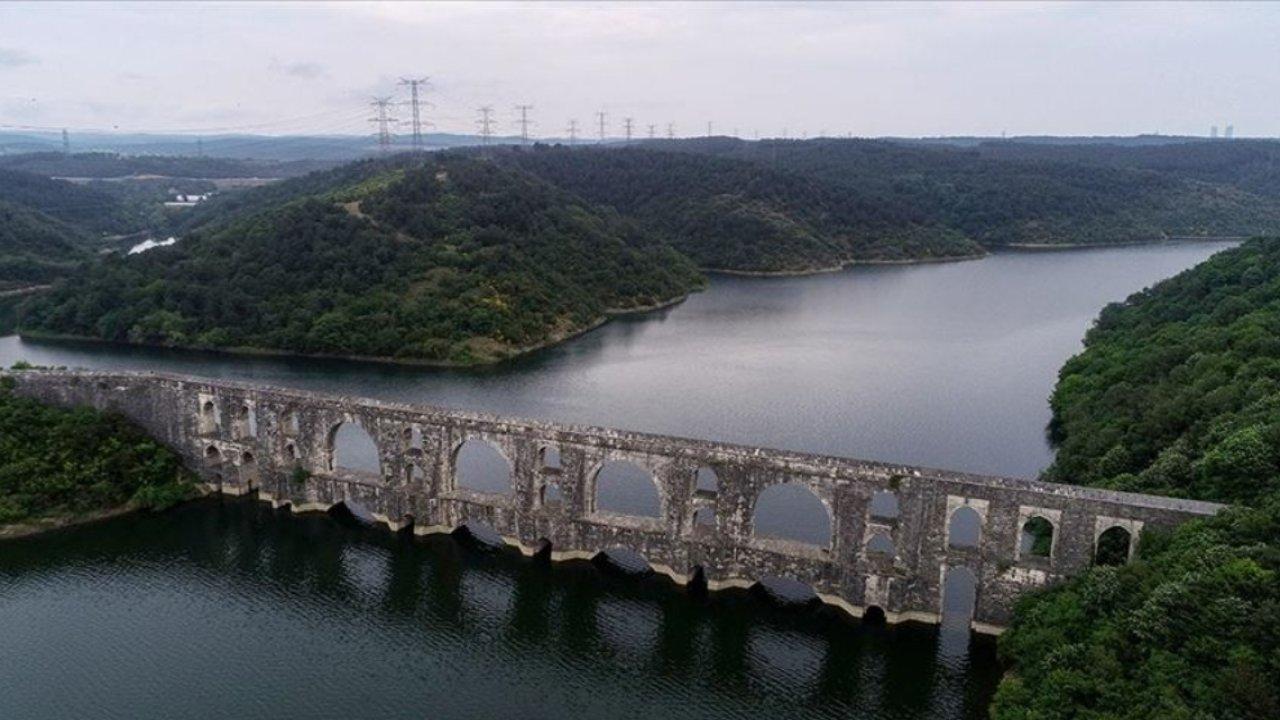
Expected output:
{"points": [[47, 226], [115, 165], [733, 215], [1011, 201], [88, 208], [1249, 165], [432, 259], [36, 248]]}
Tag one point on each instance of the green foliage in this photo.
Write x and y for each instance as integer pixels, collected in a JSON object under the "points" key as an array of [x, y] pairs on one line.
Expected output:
{"points": [[1189, 630], [56, 462], [732, 215], [1177, 391], [89, 209], [1178, 388], [996, 196], [438, 259]]}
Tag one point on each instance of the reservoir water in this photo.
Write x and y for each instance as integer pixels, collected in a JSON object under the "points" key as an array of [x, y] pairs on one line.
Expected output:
{"points": [[227, 609]]}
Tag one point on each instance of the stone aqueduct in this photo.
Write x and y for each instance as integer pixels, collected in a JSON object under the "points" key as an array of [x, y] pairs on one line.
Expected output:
{"points": [[243, 438]]}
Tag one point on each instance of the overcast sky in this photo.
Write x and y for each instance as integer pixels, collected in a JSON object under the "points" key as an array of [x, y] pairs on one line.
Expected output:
{"points": [[866, 69]]}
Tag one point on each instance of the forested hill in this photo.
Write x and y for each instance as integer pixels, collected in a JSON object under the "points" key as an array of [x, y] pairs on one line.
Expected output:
{"points": [[1250, 165], [1176, 392], [433, 259], [733, 215], [1178, 388], [47, 226], [999, 200]]}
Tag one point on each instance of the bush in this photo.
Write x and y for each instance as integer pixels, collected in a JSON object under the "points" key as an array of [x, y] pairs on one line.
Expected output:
{"points": [[58, 462]]}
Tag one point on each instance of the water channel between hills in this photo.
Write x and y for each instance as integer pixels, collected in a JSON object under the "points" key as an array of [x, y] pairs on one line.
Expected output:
{"points": [[230, 610]]}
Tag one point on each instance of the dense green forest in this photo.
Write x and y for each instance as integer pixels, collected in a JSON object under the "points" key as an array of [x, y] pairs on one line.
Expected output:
{"points": [[1189, 630], [1002, 201], [57, 463], [36, 248], [1178, 389], [88, 208], [439, 259], [48, 226], [1249, 165], [1177, 392], [732, 215]]}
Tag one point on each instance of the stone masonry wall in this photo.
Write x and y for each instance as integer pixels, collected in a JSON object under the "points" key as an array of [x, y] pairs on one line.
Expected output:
{"points": [[242, 438]]}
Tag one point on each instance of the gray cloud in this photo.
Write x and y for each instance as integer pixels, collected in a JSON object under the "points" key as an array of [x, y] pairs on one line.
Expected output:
{"points": [[303, 70], [15, 58]]}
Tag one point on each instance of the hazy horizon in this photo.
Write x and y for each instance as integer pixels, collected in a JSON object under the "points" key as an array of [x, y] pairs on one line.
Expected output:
{"points": [[793, 70]]}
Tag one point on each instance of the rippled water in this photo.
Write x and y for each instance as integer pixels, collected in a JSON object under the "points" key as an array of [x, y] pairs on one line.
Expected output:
{"points": [[232, 610]]}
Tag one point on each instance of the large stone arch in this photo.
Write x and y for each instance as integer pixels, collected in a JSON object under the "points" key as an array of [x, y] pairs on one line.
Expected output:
{"points": [[480, 465], [959, 596], [964, 528], [792, 511], [623, 486], [350, 446]]}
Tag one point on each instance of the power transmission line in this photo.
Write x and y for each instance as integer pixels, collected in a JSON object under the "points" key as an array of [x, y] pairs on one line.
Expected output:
{"points": [[383, 120], [414, 84], [708, 128], [573, 132], [524, 122], [626, 124], [485, 122], [651, 127], [671, 131], [600, 116]]}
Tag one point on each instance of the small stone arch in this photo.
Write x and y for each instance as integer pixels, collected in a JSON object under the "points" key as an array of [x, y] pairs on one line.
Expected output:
{"points": [[289, 423], [412, 435], [792, 511], [413, 474], [245, 424], [1114, 546], [549, 457], [480, 466], [351, 447], [208, 417], [704, 518], [1037, 537], [964, 528], [625, 488], [880, 544], [625, 560], [291, 451], [884, 505], [212, 456], [550, 495], [959, 592], [248, 469], [707, 481]]}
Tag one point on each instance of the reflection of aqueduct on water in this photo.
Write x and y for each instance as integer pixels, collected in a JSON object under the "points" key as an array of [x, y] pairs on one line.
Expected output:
{"points": [[898, 536]]}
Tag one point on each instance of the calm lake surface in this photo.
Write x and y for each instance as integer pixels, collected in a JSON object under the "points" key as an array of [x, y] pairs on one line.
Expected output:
{"points": [[228, 609], [946, 365]]}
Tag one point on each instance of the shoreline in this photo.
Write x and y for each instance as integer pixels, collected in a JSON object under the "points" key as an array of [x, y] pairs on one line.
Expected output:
{"points": [[249, 351], [44, 525], [1049, 247], [843, 266]]}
